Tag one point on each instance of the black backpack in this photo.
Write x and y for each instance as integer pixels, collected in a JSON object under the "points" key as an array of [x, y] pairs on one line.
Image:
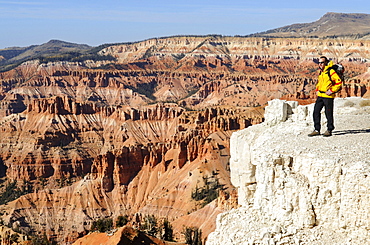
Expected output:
{"points": [[339, 69]]}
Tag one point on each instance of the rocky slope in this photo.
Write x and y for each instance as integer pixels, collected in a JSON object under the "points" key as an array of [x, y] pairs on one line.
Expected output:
{"points": [[195, 72], [145, 161], [139, 135], [124, 235], [353, 25], [296, 189], [12, 57], [8, 236]]}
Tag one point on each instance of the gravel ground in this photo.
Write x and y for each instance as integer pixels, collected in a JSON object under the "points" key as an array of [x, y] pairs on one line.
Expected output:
{"points": [[350, 139]]}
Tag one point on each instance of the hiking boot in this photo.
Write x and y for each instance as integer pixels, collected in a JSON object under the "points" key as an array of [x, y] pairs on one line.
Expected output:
{"points": [[314, 133], [327, 133]]}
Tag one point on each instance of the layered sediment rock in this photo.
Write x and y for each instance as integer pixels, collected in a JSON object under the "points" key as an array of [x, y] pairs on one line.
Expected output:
{"points": [[196, 71], [8, 236], [296, 189], [137, 136], [60, 137], [142, 160]]}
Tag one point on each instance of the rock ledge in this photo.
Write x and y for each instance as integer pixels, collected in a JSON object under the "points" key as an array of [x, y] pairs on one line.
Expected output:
{"points": [[295, 189]]}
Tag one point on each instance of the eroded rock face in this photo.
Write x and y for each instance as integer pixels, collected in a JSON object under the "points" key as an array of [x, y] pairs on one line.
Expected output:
{"points": [[197, 72], [64, 137], [292, 187], [9, 236], [137, 136], [145, 160]]}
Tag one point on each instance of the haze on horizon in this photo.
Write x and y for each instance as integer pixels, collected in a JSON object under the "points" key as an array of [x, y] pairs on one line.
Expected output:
{"points": [[24, 23]]}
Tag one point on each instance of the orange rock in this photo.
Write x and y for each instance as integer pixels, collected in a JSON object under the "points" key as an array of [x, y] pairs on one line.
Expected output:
{"points": [[139, 137]]}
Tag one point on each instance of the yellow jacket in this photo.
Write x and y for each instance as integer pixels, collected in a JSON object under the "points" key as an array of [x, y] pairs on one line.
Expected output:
{"points": [[324, 84]]}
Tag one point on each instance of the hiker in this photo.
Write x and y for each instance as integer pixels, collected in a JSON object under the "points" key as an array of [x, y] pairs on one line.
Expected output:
{"points": [[329, 82]]}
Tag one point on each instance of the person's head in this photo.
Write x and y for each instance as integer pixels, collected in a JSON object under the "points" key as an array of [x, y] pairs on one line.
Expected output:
{"points": [[323, 61]]}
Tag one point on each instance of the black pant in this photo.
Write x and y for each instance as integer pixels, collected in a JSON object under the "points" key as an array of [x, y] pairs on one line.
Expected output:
{"points": [[328, 103]]}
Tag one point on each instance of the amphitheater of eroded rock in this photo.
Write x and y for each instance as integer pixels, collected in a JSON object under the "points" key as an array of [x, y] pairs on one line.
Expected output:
{"points": [[138, 136]]}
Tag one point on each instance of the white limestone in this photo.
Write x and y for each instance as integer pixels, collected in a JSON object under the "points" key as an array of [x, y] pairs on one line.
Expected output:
{"points": [[295, 189]]}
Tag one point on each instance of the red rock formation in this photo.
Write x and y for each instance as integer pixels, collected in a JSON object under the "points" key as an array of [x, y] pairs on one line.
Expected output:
{"points": [[67, 140], [124, 235], [139, 137]]}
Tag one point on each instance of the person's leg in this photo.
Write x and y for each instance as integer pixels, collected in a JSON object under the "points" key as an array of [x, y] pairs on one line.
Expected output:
{"points": [[317, 113], [329, 113]]}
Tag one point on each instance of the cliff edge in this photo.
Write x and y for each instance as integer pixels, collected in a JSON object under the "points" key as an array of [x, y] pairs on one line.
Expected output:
{"points": [[295, 189]]}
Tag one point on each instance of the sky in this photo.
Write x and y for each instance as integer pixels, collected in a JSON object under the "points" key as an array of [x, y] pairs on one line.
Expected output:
{"points": [[24, 23]]}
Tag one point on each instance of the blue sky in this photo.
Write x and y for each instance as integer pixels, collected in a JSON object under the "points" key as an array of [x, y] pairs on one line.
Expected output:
{"points": [[24, 23]]}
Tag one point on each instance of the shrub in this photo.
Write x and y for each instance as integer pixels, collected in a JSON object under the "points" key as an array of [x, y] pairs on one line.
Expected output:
{"points": [[12, 191], [102, 225], [208, 192], [121, 221], [43, 240]]}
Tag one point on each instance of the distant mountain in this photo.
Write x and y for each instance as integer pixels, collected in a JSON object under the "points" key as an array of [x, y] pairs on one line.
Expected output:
{"points": [[330, 25], [51, 47], [15, 55], [353, 25]]}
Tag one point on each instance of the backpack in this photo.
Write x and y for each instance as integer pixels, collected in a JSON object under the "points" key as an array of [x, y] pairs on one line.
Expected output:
{"points": [[339, 69]]}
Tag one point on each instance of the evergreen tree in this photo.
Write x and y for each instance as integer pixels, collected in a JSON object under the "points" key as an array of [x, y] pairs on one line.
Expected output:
{"points": [[166, 231], [193, 236]]}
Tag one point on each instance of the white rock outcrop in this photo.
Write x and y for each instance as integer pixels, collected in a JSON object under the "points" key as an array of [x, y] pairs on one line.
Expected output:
{"points": [[295, 189]]}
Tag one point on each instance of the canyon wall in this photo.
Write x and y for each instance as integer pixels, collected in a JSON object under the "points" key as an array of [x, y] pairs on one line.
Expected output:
{"points": [[123, 160], [138, 135], [195, 72], [297, 189]]}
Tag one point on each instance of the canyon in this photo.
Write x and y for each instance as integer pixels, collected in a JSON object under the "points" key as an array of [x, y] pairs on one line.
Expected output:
{"points": [[139, 135]]}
